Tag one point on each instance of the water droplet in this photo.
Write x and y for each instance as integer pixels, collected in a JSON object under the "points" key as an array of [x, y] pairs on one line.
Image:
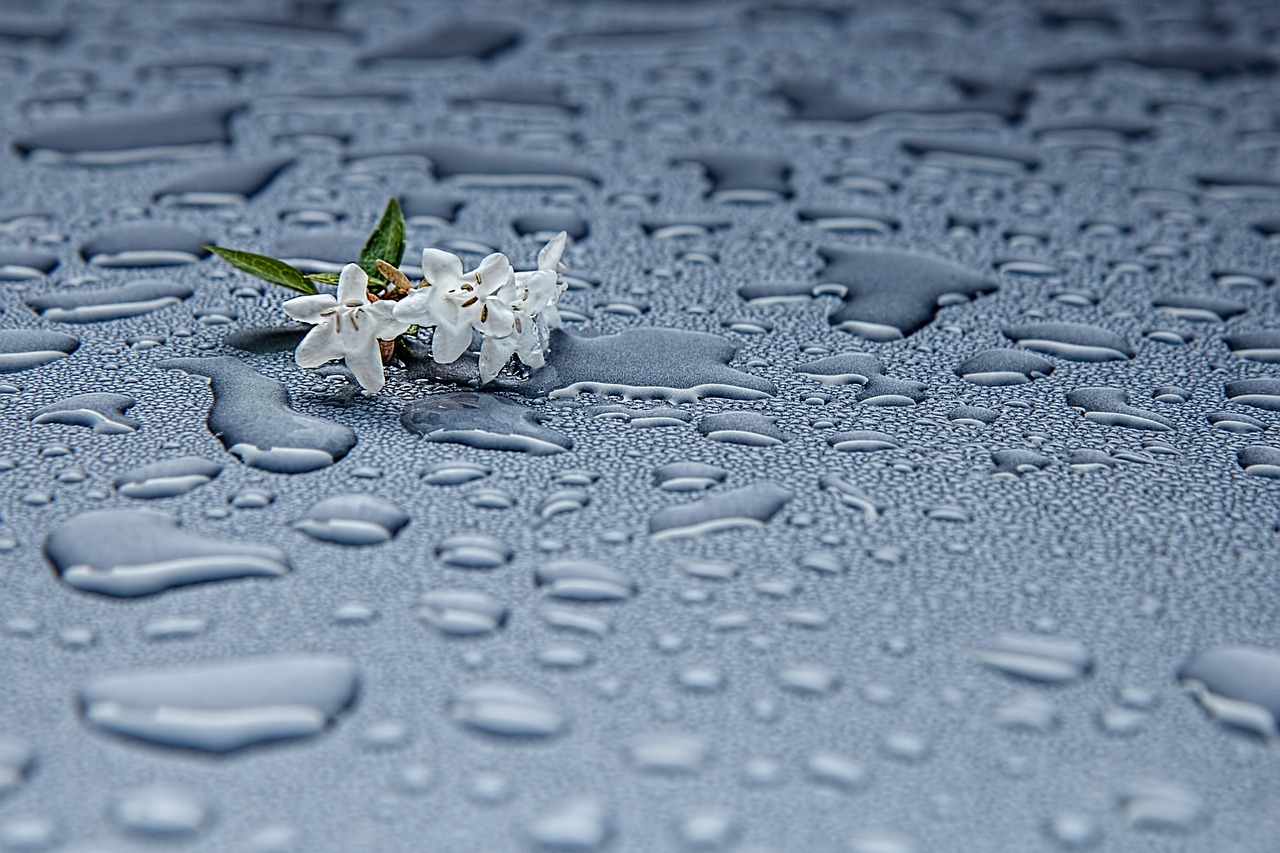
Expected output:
{"points": [[844, 491], [223, 706], [455, 473], [576, 823], [252, 417], [353, 519], [24, 349], [584, 580], [100, 411], [175, 627], [1110, 406], [224, 184], [168, 478], [863, 441], [1155, 804], [121, 139], [688, 476], [1205, 309], [17, 760], [1260, 461], [979, 156], [1259, 345], [668, 753], [809, 679], [1016, 462], [646, 363], [150, 245], [95, 306], [160, 810], [1073, 830], [751, 506], [835, 770], [482, 421], [477, 167], [1052, 660], [28, 832], [462, 613], [743, 177], [1003, 367], [473, 551], [1237, 685], [708, 829], [1028, 711], [850, 368], [499, 708], [881, 841], [562, 501], [130, 553], [1073, 341]]}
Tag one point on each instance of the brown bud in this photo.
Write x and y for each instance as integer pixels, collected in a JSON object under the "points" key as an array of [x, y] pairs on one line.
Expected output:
{"points": [[386, 349], [397, 279]]}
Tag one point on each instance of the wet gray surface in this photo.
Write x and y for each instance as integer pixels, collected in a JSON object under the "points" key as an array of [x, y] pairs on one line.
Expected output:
{"points": [[904, 479]]}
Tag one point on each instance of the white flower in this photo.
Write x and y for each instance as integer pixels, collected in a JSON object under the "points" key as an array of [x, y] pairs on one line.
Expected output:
{"points": [[456, 303], [547, 290], [347, 328], [533, 310], [527, 341]]}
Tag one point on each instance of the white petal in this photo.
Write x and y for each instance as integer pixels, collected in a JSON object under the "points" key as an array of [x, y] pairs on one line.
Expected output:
{"points": [[494, 272], [549, 257], [308, 308], [499, 320], [319, 346], [449, 342], [420, 307], [494, 355], [365, 361], [386, 327], [550, 318], [441, 268], [530, 351], [353, 285], [542, 291]]}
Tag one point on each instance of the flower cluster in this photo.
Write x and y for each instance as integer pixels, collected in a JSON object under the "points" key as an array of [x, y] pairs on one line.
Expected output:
{"points": [[514, 312]]}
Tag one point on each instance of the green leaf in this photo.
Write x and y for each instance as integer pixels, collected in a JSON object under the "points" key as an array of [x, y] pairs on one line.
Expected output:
{"points": [[386, 241], [324, 277], [265, 268]]}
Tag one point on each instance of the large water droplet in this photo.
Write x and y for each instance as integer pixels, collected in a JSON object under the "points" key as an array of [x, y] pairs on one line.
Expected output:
{"points": [[1003, 367], [128, 553], [133, 138], [168, 478], [252, 417], [100, 411], [483, 421], [24, 349], [1110, 406], [223, 706], [353, 519], [674, 364], [578, 823], [751, 506], [462, 612], [1074, 341], [95, 306], [1052, 660], [584, 580], [499, 708], [668, 753], [1237, 685], [161, 811]]}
